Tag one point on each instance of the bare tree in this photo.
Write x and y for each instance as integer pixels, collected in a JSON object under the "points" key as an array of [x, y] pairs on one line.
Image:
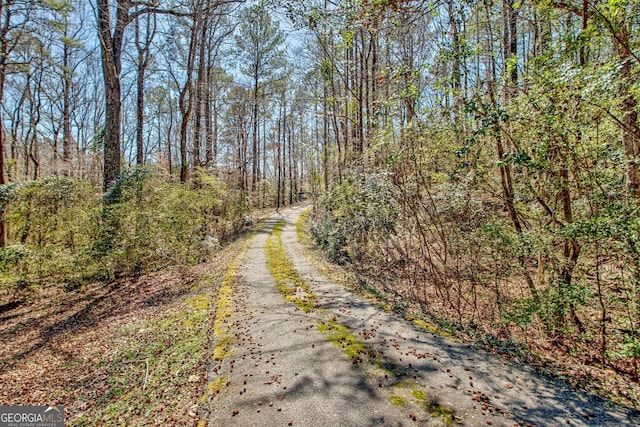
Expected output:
{"points": [[111, 37], [259, 41], [143, 40]]}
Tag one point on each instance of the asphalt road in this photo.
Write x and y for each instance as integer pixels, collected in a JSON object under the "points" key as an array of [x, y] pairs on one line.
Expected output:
{"points": [[347, 362]]}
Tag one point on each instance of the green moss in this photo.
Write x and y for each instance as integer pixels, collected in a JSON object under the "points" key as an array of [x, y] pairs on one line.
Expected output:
{"points": [[213, 388], [408, 395], [431, 405], [291, 285], [397, 400], [223, 347], [301, 225], [340, 336], [217, 385], [222, 321], [430, 327], [419, 394], [201, 302]]}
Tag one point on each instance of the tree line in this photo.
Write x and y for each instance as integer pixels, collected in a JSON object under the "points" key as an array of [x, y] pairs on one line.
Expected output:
{"points": [[88, 88]]}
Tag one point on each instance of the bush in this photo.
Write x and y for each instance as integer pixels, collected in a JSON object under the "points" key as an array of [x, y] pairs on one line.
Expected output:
{"points": [[48, 222], [358, 210], [147, 222], [61, 229]]}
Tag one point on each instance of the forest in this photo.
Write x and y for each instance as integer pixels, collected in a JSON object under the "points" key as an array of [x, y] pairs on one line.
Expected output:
{"points": [[472, 162]]}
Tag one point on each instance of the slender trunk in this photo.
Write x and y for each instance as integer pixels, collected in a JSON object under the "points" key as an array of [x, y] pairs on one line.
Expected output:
{"points": [[374, 78], [361, 74], [571, 251], [325, 138], [144, 56], [264, 159], [254, 151], [140, 113], [4, 31], [169, 132], [185, 108], [284, 148], [513, 46], [278, 164], [186, 104], [510, 48], [200, 96], [628, 105], [215, 134], [582, 54], [208, 120], [2, 167], [34, 120], [245, 149], [290, 147], [66, 106], [456, 71]]}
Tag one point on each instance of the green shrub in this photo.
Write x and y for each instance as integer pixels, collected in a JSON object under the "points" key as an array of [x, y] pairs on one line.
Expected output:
{"points": [[148, 222], [61, 229], [358, 210], [48, 223]]}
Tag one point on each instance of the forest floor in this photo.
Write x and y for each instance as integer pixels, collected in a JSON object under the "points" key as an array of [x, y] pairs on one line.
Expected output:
{"points": [[129, 352], [259, 335]]}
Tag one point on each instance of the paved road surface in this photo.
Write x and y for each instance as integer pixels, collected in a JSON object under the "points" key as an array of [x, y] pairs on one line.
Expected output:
{"points": [[285, 368]]}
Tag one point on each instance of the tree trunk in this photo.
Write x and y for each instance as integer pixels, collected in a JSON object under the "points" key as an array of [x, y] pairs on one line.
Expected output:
{"points": [[629, 120], [200, 96], [2, 167], [143, 61], [186, 104], [254, 151], [325, 138], [111, 49], [208, 119], [278, 165], [4, 31], [111, 136], [66, 107], [456, 71], [583, 53]]}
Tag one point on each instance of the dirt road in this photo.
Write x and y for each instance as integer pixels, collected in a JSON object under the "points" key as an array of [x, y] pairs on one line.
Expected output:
{"points": [[297, 349]]}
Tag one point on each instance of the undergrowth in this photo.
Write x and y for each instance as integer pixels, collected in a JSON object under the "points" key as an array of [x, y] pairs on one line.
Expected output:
{"points": [[560, 293], [61, 230], [151, 377]]}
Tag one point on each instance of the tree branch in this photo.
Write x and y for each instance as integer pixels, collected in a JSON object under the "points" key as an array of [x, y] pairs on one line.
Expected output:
{"points": [[615, 34], [561, 4], [134, 15]]}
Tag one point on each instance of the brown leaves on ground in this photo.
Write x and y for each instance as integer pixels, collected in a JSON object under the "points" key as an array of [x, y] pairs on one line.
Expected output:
{"points": [[70, 348]]}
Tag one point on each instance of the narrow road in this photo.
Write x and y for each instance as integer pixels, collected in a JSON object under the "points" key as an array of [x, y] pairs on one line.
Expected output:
{"points": [[304, 351]]}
